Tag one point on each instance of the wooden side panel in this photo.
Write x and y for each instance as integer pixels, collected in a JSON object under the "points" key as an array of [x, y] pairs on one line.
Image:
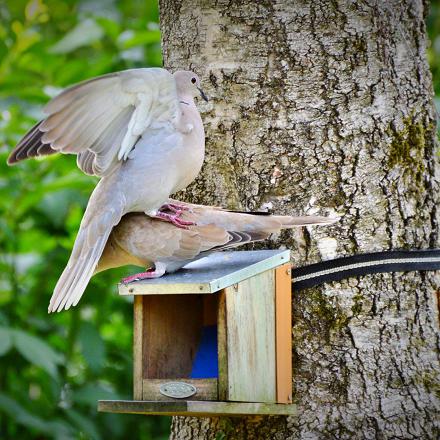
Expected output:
{"points": [[171, 333], [137, 347], [206, 389], [250, 308], [222, 347], [210, 306], [283, 315]]}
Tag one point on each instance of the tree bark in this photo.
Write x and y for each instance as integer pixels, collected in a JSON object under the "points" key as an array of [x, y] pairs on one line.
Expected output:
{"points": [[326, 106]]}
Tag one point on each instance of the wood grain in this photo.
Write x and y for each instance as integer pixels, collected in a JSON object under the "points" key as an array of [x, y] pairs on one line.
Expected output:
{"points": [[250, 307], [171, 334], [210, 306], [222, 347], [137, 347], [283, 316], [195, 408]]}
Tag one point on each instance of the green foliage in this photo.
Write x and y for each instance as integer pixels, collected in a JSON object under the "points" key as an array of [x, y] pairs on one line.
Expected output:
{"points": [[433, 52], [34, 350], [54, 368]]}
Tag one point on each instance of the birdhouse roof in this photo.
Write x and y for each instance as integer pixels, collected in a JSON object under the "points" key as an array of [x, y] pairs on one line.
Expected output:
{"points": [[210, 274]]}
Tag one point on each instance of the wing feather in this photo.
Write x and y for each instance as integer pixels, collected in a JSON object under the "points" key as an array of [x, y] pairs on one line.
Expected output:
{"points": [[105, 158], [84, 132], [104, 115], [85, 162], [92, 237], [30, 146]]}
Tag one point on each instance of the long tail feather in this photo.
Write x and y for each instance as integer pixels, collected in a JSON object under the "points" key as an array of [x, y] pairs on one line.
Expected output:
{"points": [[288, 221], [92, 237]]}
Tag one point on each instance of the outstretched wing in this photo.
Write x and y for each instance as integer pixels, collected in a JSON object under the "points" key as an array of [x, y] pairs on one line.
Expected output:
{"points": [[101, 119]]}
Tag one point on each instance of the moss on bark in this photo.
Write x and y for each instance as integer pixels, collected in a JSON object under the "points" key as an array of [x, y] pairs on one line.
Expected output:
{"points": [[407, 147]]}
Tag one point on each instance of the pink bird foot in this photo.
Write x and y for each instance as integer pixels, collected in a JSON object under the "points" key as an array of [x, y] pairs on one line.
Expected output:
{"points": [[174, 218], [174, 207], [149, 274]]}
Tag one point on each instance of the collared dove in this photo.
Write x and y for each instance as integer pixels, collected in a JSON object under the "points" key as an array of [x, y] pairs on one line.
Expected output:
{"points": [[161, 247], [142, 133], [101, 119]]}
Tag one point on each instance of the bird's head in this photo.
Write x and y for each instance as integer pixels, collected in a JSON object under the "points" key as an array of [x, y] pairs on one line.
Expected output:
{"points": [[188, 84]]}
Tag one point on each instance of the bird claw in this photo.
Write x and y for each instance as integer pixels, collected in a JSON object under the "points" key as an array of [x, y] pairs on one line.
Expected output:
{"points": [[150, 273], [174, 218], [175, 207], [130, 279]]}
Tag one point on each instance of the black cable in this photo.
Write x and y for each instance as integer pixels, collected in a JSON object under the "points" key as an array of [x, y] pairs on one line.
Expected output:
{"points": [[364, 264]]}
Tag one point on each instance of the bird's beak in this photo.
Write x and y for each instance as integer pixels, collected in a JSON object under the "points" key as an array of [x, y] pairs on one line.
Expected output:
{"points": [[202, 94]]}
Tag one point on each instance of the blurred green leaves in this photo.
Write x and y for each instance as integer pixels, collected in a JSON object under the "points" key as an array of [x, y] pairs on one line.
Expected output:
{"points": [[433, 52], [130, 39], [55, 429], [93, 348], [54, 368], [84, 33], [5, 340], [36, 351]]}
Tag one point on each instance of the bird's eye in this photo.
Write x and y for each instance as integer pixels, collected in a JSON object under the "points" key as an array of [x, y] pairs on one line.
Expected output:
{"points": [[193, 80]]}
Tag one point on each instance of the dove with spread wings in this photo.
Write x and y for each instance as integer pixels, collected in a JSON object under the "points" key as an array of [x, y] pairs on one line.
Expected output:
{"points": [[140, 131]]}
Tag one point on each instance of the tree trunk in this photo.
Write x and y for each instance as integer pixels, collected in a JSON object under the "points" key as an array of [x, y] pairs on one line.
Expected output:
{"points": [[326, 106]]}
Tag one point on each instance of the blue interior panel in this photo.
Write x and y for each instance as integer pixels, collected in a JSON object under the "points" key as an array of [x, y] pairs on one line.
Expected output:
{"points": [[206, 362]]}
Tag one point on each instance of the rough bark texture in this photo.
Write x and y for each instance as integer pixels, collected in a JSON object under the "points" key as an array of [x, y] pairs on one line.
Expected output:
{"points": [[326, 106]]}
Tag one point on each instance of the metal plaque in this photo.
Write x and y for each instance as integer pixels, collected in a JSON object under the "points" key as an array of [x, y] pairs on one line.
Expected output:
{"points": [[177, 390]]}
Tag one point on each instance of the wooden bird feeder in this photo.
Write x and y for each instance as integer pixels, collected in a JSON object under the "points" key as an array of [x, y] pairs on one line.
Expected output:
{"points": [[214, 338]]}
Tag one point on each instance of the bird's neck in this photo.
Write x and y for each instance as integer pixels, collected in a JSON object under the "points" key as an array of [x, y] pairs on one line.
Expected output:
{"points": [[185, 99]]}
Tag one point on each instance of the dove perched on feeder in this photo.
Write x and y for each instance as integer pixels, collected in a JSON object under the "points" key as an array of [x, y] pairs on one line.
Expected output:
{"points": [[161, 247], [137, 129]]}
